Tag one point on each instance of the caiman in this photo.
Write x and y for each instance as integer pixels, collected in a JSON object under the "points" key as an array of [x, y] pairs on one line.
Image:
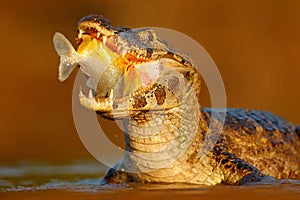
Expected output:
{"points": [[135, 76]]}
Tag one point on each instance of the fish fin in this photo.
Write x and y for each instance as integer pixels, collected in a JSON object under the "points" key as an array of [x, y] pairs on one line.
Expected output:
{"points": [[67, 55]]}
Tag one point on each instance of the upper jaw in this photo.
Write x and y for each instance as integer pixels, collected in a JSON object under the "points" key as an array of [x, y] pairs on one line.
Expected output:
{"points": [[92, 33], [93, 24]]}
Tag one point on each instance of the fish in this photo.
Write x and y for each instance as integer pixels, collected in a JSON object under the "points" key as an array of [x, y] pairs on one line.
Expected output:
{"points": [[93, 58]]}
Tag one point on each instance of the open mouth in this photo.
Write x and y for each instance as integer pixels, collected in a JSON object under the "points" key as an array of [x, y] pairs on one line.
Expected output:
{"points": [[124, 72]]}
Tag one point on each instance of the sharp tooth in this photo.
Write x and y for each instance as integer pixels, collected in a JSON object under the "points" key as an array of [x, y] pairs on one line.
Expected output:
{"points": [[80, 91], [91, 94], [111, 95], [123, 53], [119, 48], [80, 34], [104, 38], [98, 35], [138, 56]]}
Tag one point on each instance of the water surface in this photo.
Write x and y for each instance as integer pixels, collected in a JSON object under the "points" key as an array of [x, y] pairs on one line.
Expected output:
{"points": [[80, 180]]}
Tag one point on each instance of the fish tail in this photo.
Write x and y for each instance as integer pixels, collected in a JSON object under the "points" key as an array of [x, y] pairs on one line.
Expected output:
{"points": [[67, 55]]}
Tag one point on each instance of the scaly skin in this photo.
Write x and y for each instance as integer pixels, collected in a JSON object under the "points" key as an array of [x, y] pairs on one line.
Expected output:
{"points": [[264, 140], [168, 137]]}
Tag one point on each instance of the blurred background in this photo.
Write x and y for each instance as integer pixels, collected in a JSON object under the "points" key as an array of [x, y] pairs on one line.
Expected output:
{"points": [[255, 44]]}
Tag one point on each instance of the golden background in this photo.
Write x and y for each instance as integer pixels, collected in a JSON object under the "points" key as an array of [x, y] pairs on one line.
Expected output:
{"points": [[255, 44]]}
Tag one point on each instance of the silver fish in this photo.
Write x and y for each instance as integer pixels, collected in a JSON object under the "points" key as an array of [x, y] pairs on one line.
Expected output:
{"points": [[94, 59]]}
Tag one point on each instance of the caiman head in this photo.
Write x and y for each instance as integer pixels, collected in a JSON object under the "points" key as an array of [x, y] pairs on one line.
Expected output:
{"points": [[128, 70]]}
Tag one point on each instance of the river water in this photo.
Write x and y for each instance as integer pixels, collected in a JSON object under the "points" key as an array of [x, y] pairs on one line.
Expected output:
{"points": [[80, 180]]}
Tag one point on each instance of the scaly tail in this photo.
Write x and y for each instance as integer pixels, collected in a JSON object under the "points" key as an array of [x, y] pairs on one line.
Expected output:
{"points": [[67, 55]]}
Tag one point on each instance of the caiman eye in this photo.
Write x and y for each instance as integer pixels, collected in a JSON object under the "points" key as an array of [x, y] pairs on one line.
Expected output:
{"points": [[122, 29]]}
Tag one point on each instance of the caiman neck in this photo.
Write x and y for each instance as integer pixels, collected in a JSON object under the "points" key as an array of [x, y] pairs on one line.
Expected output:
{"points": [[161, 145]]}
